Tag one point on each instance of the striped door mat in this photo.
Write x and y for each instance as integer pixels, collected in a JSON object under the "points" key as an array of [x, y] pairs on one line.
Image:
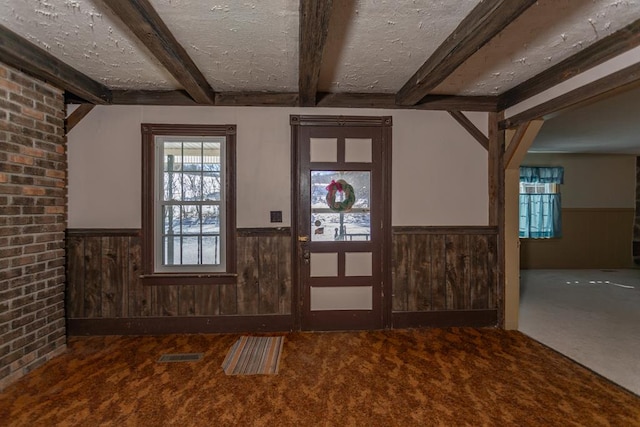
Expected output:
{"points": [[254, 355]]}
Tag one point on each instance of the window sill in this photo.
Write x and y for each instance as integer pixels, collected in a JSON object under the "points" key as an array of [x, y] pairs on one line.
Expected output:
{"points": [[177, 279]]}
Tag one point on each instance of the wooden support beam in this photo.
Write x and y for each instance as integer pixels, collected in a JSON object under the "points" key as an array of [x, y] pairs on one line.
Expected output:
{"points": [[460, 103], [497, 203], [24, 55], [471, 128], [521, 142], [617, 81], [272, 99], [387, 100], [290, 99], [146, 24], [314, 27], [484, 22], [152, 97], [77, 115], [595, 54]]}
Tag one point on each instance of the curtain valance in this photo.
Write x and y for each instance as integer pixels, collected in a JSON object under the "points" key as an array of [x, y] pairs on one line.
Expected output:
{"points": [[545, 175]]}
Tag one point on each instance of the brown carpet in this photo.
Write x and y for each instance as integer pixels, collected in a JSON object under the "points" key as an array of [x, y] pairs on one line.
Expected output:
{"points": [[385, 378]]}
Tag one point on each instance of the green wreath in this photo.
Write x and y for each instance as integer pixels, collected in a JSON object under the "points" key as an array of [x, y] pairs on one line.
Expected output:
{"points": [[349, 196]]}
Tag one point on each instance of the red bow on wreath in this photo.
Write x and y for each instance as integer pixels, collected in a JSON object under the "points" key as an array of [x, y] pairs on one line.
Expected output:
{"points": [[335, 185]]}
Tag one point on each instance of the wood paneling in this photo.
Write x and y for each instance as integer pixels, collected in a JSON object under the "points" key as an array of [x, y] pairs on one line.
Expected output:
{"points": [[435, 269], [104, 268], [591, 238], [439, 272]]}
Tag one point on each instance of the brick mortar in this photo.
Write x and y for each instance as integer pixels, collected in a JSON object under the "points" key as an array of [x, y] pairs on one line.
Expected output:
{"points": [[33, 217]]}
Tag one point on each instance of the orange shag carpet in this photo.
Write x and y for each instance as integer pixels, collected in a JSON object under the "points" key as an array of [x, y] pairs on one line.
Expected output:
{"points": [[450, 377]]}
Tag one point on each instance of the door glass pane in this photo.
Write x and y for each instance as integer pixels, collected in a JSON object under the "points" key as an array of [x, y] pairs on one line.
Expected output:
{"points": [[340, 205]]}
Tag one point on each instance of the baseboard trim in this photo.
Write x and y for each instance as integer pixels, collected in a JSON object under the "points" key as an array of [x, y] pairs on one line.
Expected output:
{"points": [[180, 325], [444, 319]]}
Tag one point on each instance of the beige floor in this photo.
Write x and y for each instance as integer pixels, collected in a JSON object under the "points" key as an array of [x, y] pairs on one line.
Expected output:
{"points": [[591, 316]]}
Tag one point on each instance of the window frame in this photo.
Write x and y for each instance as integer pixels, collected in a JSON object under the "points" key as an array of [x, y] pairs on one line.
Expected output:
{"points": [[151, 275]]}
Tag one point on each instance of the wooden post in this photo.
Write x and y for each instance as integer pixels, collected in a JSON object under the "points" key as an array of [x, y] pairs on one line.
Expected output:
{"points": [[496, 202]]}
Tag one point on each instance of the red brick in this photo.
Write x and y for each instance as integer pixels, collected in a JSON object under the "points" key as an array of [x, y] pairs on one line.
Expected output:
{"points": [[25, 160]]}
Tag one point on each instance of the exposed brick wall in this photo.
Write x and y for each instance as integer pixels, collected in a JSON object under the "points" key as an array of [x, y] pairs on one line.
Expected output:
{"points": [[33, 217]]}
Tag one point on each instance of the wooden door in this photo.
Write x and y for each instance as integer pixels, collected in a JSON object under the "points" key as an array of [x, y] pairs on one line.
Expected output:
{"points": [[341, 221]]}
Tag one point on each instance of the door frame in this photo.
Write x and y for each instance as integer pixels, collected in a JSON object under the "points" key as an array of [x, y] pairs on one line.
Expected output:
{"points": [[385, 123]]}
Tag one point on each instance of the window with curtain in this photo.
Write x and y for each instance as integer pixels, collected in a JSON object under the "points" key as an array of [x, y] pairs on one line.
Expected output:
{"points": [[540, 202]]}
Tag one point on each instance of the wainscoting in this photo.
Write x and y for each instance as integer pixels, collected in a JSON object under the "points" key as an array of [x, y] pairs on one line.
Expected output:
{"points": [[105, 293], [591, 238], [444, 276]]}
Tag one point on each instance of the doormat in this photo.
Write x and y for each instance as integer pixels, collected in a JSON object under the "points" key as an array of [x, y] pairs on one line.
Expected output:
{"points": [[254, 356]]}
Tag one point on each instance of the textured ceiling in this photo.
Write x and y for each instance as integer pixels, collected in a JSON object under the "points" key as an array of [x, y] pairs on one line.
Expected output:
{"points": [[549, 32], [373, 45], [90, 38]]}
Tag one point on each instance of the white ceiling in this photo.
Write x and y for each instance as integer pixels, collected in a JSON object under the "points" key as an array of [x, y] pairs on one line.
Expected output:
{"points": [[373, 45]]}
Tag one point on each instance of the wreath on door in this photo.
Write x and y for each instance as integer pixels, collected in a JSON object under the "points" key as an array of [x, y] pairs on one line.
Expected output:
{"points": [[340, 186]]}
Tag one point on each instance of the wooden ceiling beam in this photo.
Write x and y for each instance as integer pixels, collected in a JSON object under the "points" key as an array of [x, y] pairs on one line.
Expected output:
{"points": [[618, 81], [471, 128], [595, 54], [24, 55], [387, 100], [314, 27], [484, 22], [146, 24], [290, 99]]}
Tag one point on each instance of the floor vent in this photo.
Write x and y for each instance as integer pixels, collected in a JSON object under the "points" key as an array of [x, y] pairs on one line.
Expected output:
{"points": [[181, 357]]}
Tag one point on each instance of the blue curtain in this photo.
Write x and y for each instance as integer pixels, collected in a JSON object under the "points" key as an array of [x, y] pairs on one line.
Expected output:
{"points": [[545, 175], [540, 213]]}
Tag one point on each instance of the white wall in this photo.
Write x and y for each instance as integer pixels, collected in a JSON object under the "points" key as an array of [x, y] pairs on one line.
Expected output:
{"points": [[593, 180], [439, 170]]}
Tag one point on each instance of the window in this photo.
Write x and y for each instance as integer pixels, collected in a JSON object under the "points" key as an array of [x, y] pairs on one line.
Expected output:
{"points": [[540, 215], [188, 201]]}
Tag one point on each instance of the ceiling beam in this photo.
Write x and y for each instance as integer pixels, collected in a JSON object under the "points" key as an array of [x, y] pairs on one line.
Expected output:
{"points": [[462, 103], [484, 22], [290, 99], [271, 99], [152, 97], [387, 100], [471, 128], [595, 54], [314, 26], [24, 55], [77, 115], [618, 81], [146, 24]]}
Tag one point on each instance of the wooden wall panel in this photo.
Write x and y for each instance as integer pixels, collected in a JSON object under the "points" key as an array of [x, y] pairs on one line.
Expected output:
{"points": [[75, 277], [400, 271], [437, 280], [93, 277], [439, 270], [139, 297], [285, 273], [268, 281], [104, 268], [248, 273]]}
